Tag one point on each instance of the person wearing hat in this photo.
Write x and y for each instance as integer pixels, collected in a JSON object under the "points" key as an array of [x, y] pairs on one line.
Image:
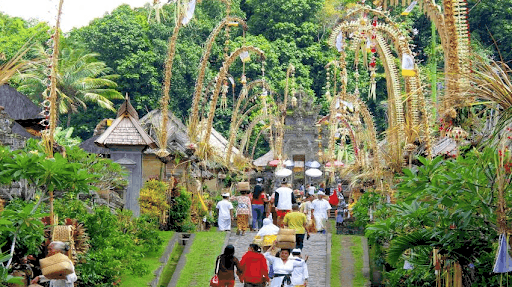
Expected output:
{"points": [[243, 210], [300, 274], [283, 200], [319, 209], [258, 204], [225, 212]]}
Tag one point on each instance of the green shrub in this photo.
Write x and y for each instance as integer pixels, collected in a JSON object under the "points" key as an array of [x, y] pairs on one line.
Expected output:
{"points": [[118, 242], [179, 213], [153, 198]]}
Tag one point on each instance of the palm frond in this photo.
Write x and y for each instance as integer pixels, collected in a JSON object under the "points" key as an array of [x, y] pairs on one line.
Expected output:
{"points": [[407, 241]]}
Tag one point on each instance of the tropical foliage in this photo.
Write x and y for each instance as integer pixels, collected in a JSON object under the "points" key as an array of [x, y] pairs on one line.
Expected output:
{"points": [[449, 205], [80, 79]]}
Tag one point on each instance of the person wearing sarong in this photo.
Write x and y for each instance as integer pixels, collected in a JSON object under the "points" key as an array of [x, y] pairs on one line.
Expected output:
{"points": [[283, 267], [243, 210], [225, 213], [319, 208], [305, 208]]}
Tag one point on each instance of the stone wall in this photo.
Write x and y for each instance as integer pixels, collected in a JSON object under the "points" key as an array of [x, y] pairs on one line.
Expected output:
{"points": [[14, 141], [7, 136]]}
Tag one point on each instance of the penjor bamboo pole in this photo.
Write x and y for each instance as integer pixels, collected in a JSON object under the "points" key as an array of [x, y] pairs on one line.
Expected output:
{"points": [[53, 100]]}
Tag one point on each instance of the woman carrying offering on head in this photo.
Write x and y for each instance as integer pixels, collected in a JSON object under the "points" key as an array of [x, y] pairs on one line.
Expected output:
{"points": [[54, 248], [283, 267]]}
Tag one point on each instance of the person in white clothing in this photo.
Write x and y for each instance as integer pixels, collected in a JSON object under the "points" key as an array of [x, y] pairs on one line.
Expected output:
{"points": [[283, 201], [299, 274], [225, 208], [311, 189], [319, 208], [283, 267]]}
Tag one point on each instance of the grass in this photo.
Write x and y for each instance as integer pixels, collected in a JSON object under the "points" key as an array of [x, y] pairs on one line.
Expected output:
{"points": [[200, 264], [168, 271], [335, 260], [357, 254], [152, 260]]}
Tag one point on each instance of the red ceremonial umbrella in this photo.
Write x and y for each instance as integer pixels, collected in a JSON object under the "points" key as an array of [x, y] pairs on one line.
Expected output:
{"points": [[274, 162]]}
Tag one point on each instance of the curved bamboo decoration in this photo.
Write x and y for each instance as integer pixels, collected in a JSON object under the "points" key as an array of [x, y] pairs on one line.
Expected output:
{"points": [[194, 116], [235, 123], [222, 73], [162, 152], [278, 151], [245, 139], [412, 84], [454, 31]]}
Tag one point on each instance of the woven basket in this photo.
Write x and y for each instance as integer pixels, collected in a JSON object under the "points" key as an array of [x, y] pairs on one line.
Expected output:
{"points": [[285, 245], [258, 240], [62, 233], [286, 238], [57, 266], [243, 186], [286, 231]]}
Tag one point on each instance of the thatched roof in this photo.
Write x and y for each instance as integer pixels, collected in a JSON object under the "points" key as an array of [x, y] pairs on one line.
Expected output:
{"points": [[90, 147], [17, 105], [264, 159], [125, 130], [217, 141], [177, 137]]}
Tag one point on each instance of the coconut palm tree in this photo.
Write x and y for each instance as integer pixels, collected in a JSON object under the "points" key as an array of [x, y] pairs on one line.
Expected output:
{"points": [[80, 79], [8, 68]]}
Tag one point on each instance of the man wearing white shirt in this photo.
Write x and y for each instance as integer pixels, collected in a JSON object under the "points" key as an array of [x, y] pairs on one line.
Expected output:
{"points": [[300, 273], [284, 199], [311, 189], [225, 208], [319, 208]]}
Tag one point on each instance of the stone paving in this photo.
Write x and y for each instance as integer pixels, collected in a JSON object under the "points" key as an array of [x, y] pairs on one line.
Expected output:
{"points": [[316, 248]]}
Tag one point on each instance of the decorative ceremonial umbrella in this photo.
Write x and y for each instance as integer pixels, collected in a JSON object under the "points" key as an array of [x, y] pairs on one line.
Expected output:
{"points": [[313, 164], [283, 172], [336, 164], [313, 172], [274, 162], [289, 163]]}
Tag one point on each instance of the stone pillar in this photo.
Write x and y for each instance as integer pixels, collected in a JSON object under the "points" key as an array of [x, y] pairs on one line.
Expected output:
{"points": [[131, 158]]}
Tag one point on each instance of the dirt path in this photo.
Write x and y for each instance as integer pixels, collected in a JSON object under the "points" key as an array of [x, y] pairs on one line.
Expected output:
{"points": [[347, 262]]}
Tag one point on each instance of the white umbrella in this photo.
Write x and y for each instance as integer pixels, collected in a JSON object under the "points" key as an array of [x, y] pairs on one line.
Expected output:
{"points": [[283, 172], [313, 172], [313, 164], [289, 163]]}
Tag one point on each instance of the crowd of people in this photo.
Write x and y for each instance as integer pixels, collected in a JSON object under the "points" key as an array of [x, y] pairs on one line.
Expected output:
{"points": [[288, 269], [304, 210], [315, 203]]}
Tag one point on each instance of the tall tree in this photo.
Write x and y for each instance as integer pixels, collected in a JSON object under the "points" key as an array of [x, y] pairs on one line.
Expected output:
{"points": [[81, 79]]}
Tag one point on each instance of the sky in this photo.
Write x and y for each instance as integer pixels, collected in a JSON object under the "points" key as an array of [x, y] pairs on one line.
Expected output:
{"points": [[76, 13]]}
